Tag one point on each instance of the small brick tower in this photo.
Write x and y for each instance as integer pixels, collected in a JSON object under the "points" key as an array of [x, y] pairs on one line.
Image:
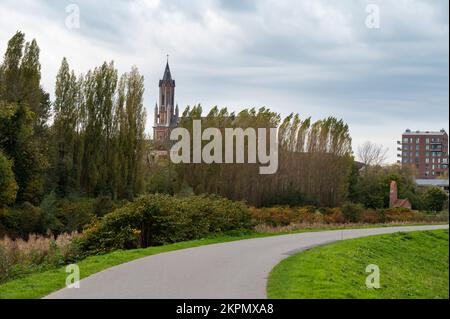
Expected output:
{"points": [[393, 198]]}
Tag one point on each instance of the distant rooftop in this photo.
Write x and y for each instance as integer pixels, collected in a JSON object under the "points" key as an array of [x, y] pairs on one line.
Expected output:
{"points": [[432, 182], [410, 132]]}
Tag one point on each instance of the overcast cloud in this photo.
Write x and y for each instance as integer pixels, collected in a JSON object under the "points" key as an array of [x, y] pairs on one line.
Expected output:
{"points": [[314, 57]]}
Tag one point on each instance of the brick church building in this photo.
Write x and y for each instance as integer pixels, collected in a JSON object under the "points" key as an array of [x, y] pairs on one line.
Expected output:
{"points": [[166, 112]]}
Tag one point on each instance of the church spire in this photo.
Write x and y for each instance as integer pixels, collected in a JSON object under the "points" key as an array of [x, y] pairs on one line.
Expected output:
{"points": [[167, 76]]}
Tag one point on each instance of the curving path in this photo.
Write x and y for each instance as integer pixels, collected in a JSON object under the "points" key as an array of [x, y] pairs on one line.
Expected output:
{"points": [[230, 270]]}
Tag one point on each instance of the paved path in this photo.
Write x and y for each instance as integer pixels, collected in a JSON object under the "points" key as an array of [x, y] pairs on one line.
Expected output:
{"points": [[230, 270]]}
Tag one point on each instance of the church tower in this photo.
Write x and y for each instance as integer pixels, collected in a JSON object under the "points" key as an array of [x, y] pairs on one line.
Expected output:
{"points": [[166, 113]]}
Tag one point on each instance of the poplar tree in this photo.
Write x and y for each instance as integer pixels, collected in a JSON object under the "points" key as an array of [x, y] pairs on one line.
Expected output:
{"points": [[65, 120], [27, 105]]}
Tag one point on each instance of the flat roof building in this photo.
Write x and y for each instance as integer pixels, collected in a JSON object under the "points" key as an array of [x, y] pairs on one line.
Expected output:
{"points": [[426, 151]]}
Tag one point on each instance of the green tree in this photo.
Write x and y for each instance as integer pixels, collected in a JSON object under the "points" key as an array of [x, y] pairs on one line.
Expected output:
{"points": [[8, 185], [435, 199], [23, 101], [65, 113], [10, 68]]}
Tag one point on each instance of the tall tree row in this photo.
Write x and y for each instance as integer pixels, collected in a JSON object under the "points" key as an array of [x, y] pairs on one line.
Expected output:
{"points": [[99, 132], [95, 144], [315, 160]]}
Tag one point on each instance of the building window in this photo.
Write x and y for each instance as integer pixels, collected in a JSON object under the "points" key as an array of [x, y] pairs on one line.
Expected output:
{"points": [[405, 140], [428, 141]]}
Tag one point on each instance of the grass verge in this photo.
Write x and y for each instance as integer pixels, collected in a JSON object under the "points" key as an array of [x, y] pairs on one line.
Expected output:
{"points": [[40, 284], [412, 265]]}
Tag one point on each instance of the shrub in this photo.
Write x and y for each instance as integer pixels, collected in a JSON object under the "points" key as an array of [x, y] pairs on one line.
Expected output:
{"points": [[399, 214], [103, 205], [334, 216], [20, 221], [371, 216], [274, 216], [65, 215], [435, 199], [159, 219], [352, 212]]}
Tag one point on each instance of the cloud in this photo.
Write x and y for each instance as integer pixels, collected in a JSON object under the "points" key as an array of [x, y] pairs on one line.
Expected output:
{"points": [[315, 57]]}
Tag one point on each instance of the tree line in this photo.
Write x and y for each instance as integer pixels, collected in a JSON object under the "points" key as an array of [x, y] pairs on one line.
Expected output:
{"points": [[315, 160], [95, 144]]}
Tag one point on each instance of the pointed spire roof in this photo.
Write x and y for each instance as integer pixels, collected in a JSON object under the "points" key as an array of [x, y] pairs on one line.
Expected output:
{"points": [[167, 76]]}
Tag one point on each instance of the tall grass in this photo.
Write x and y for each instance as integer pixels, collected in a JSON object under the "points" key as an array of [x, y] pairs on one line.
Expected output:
{"points": [[19, 257]]}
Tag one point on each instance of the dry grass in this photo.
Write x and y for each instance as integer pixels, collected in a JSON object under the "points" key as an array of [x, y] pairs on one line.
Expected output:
{"points": [[19, 256]]}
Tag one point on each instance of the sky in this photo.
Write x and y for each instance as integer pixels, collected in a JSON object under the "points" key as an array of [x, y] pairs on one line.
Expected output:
{"points": [[317, 58]]}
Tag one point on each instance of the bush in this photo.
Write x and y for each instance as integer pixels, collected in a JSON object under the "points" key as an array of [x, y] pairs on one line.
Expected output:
{"points": [[372, 216], [352, 212], [435, 199], [334, 216], [274, 216], [66, 215], [399, 214], [159, 219], [20, 221]]}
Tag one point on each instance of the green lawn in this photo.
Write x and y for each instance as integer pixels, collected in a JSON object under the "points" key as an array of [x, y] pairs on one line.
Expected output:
{"points": [[412, 265], [40, 284]]}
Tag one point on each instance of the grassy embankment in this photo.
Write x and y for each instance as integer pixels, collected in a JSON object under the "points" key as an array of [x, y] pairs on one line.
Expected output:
{"points": [[412, 265]]}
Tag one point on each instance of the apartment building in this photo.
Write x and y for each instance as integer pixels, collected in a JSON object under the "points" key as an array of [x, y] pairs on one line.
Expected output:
{"points": [[427, 151]]}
